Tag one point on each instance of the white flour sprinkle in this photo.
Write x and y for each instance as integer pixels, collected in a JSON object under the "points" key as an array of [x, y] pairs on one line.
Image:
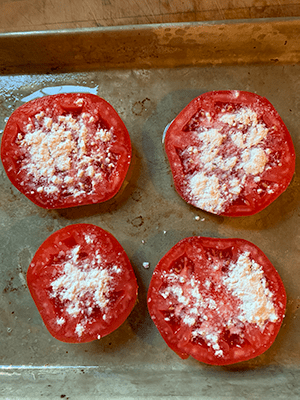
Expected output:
{"points": [[83, 286], [240, 297], [79, 329], [228, 152], [206, 190], [79, 280], [146, 265], [246, 281], [65, 153]]}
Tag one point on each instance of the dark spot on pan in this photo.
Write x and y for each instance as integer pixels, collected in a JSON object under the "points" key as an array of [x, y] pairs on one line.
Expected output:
{"points": [[137, 221], [140, 106], [136, 196], [9, 288]]}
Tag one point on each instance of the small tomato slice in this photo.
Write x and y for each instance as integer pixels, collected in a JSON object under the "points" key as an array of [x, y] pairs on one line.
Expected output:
{"points": [[219, 300], [66, 150], [82, 283], [230, 153]]}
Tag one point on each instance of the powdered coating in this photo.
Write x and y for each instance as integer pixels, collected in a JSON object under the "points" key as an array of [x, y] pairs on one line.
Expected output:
{"points": [[67, 154], [83, 286], [227, 151], [246, 281], [78, 281], [240, 297]]}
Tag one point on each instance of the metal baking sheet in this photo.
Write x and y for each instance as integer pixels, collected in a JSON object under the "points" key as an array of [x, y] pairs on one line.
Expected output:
{"points": [[148, 74]]}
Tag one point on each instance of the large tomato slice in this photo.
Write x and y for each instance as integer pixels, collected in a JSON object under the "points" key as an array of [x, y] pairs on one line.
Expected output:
{"points": [[230, 153], [219, 300], [82, 283], [66, 150]]}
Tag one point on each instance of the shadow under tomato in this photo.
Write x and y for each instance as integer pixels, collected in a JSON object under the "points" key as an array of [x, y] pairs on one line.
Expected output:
{"points": [[124, 334], [260, 363], [138, 319], [282, 208], [114, 341], [147, 330], [285, 206], [109, 206], [161, 177], [152, 135]]}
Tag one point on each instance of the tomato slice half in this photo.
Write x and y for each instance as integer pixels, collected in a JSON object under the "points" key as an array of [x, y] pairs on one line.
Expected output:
{"points": [[230, 153], [66, 150], [219, 300], [82, 283]]}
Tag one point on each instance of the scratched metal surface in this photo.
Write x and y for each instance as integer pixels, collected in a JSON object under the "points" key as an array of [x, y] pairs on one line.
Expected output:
{"points": [[148, 218]]}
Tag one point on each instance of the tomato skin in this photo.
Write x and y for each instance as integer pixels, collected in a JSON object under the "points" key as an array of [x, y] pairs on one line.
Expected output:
{"points": [[207, 261], [278, 149], [79, 176], [89, 243]]}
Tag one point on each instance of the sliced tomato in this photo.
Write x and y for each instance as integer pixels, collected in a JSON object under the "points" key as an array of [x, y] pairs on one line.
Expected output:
{"points": [[230, 153], [219, 300], [66, 150], [82, 283]]}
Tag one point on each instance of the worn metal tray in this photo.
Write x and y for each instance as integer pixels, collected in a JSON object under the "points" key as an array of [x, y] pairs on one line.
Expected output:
{"points": [[148, 73]]}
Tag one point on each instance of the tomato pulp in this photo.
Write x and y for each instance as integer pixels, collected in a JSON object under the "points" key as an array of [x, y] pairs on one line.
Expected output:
{"points": [[66, 150], [82, 283], [230, 153], [219, 300]]}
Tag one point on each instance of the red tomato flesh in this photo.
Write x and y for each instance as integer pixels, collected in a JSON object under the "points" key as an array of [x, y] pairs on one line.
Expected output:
{"points": [[66, 150], [219, 300], [82, 283], [230, 153]]}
